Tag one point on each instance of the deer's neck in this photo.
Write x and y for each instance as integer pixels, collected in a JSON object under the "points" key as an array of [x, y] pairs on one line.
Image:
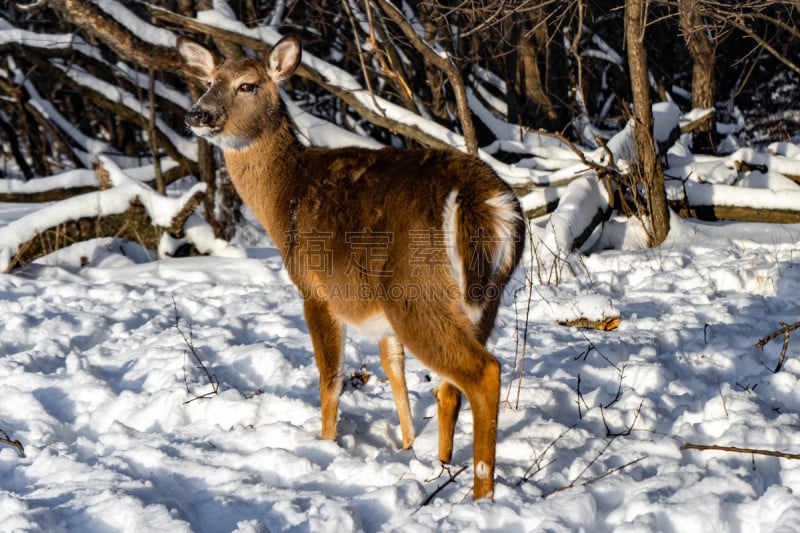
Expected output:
{"points": [[265, 175]]}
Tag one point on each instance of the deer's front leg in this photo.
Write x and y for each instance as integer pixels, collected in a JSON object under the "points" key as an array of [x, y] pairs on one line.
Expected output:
{"points": [[393, 362], [327, 336]]}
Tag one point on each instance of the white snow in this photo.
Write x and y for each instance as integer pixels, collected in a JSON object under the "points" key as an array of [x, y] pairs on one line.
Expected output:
{"points": [[122, 431], [317, 132], [95, 380], [578, 205], [666, 116]]}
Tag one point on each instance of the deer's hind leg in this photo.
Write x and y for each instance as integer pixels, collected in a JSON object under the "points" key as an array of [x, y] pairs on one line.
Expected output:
{"points": [[477, 374], [446, 342], [448, 398]]}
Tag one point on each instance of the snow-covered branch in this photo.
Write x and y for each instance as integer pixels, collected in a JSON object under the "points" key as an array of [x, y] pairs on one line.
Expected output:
{"points": [[128, 209]]}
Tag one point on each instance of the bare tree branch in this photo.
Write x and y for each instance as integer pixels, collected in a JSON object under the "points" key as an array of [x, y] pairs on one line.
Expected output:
{"points": [[445, 64]]}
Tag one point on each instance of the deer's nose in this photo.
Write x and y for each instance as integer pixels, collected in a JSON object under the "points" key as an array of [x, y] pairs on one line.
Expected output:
{"points": [[197, 117]]}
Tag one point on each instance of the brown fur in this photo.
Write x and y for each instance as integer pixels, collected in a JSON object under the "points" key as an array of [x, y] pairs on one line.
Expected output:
{"points": [[307, 197]]}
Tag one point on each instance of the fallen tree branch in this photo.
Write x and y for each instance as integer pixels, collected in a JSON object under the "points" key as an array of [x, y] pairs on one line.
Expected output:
{"points": [[735, 449], [739, 214], [604, 324], [711, 202], [133, 224], [37, 191], [784, 330], [44, 196], [697, 121], [179, 220], [583, 206], [539, 201], [127, 210]]}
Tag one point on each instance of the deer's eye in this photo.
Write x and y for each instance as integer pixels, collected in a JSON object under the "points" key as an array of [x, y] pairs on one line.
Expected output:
{"points": [[246, 87]]}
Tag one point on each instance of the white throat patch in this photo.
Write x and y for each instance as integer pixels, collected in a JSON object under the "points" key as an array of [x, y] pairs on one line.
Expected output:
{"points": [[229, 142]]}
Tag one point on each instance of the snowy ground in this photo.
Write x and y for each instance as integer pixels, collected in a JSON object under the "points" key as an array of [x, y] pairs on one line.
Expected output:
{"points": [[95, 380]]}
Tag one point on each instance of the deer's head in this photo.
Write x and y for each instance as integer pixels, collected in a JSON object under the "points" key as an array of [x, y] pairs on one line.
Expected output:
{"points": [[242, 100]]}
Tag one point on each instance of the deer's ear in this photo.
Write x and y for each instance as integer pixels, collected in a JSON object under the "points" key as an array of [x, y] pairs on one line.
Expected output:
{"points": [[284, 58], [199, 61]]}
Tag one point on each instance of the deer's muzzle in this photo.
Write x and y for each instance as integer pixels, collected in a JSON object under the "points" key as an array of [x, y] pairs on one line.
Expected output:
{"points": [[200, 118]]}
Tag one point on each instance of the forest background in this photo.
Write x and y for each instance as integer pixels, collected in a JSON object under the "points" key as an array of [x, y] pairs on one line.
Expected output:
{"points": [[513, 81]]}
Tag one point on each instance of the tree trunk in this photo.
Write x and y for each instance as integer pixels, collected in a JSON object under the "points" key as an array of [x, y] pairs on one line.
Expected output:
{"points": [[696, 33], [528, 48], [650, 173]]}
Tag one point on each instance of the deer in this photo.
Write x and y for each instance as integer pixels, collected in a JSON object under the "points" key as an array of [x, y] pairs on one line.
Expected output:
{"points": [[411, 247]]}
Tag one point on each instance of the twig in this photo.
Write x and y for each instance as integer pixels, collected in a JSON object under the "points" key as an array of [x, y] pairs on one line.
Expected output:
{"points": [[389, 69], [524, 350], [580, 399], [580, 474], [619, 389], [507, 402], [517, 351], [608, 169], [784, 330], [612, 436], [15, 443], [537, 462], [444, 63], [735, 449], [583, 355], [597, 478], [188, 340], [611, 162], [441, 487], [722, 397], [17, 259], [628, 430]]}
